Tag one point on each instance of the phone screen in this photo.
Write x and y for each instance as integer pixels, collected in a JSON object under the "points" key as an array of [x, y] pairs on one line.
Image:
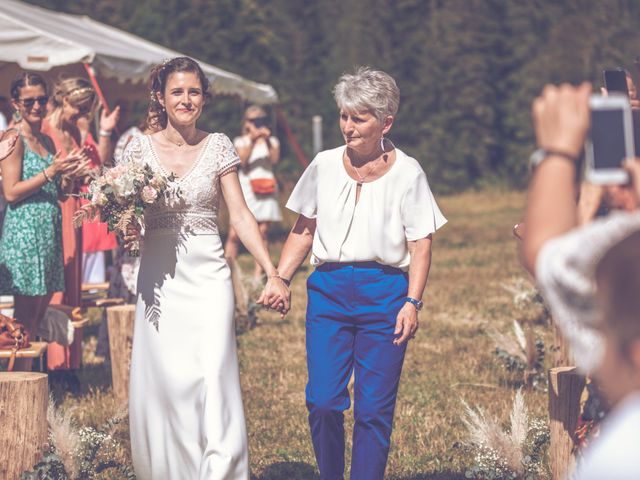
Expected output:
{"points": [[607, 135], [615, 81]]}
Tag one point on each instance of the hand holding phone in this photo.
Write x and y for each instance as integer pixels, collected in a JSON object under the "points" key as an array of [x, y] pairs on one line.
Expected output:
{"points": [[615, 81], [611, 139]]}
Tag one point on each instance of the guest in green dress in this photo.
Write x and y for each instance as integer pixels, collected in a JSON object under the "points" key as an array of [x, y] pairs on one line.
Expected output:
{"points": [[33, 178]]}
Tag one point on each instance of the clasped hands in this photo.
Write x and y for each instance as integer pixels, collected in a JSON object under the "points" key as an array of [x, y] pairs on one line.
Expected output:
{"points": [[276, 295]]}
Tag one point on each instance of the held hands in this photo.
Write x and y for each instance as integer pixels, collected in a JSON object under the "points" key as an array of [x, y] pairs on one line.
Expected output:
{"points": [[132, 236], [561, 118], [276, 295], [406, 324]]}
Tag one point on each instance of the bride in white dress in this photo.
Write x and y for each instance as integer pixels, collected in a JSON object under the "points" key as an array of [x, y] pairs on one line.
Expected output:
{"points": [[185, 407]]}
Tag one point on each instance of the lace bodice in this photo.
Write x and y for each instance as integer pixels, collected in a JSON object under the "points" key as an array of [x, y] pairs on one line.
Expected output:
{"points": [[195, 210]]}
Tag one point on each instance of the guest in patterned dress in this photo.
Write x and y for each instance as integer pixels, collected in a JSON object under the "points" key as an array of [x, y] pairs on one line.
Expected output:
{"points": [[31, 267]]}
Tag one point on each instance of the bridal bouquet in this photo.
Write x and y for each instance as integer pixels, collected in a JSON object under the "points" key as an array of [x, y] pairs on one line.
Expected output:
{"points": [[120, 195]]}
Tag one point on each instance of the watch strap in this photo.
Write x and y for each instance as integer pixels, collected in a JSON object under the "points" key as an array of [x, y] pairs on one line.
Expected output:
{"points": [[541, 154]]}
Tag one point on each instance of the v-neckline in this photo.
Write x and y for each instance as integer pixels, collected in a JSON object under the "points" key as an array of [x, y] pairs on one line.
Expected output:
{"points": [[156, 158]]}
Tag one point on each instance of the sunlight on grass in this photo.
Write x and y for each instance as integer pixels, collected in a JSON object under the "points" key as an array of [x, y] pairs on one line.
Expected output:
{"points": [[450, 360]]}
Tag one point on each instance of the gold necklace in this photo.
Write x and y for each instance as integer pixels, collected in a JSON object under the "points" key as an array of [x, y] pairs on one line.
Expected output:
{"points": [[178, 143]]}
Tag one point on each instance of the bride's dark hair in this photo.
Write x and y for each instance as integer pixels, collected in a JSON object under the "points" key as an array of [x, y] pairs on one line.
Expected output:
{"points": [[157, 116]]}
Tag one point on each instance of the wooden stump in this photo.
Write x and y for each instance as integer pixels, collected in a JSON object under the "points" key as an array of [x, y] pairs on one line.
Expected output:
{"points": [[120, 322], [565, 389], [23, 416]]}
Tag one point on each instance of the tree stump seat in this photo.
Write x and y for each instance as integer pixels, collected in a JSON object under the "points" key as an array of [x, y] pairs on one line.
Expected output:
{"points": [[23, 415]]}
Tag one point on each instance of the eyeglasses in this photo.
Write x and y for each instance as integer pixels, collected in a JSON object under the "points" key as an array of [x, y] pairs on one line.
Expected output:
{"points": [[30, 102]]}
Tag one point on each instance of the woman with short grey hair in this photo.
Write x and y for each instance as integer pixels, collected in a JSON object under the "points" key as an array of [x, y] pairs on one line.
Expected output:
{"points": [[367, 214]]}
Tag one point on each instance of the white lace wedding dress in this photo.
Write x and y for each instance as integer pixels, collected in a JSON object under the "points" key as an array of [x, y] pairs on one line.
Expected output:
{"points": [[185, 407]]}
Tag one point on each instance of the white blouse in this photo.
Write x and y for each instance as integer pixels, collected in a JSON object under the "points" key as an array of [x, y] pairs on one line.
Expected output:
{"points": [[392, 210]]}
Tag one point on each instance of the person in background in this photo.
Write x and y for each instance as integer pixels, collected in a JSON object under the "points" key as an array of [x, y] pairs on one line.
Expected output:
{"points": [[366, 212], [259, 151], [33, 179], [589, 276], [5, 109], [73, 101]]}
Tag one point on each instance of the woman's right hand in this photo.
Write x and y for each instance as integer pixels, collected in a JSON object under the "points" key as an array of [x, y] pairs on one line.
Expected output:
{"points": [[561, 118], [132, 236], [75, 164], [7, 144]]}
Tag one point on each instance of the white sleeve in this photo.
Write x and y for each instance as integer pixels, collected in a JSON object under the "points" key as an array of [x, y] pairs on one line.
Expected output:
{"points": [[132, 152], [304, 198], [421, 215], [228, 155], [565, 274]]}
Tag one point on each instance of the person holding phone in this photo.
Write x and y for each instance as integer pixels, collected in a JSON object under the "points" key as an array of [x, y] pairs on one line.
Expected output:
{"points": [[259, 151], [589, 277]]}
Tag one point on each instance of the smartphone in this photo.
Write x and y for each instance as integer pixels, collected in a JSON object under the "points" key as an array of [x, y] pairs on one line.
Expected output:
{"points": [[610, 140], [615, 81], [260, 122]]}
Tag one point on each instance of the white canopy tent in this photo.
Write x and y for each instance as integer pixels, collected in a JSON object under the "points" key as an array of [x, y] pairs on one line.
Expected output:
{"points": [[58, 44]]}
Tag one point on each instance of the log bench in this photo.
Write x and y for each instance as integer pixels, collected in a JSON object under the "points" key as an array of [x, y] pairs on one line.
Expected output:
{"points": [[34, 351]]}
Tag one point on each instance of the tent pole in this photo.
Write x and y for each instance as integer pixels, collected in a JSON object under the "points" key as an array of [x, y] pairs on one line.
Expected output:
{"points": [[302, 158], [96, 86]]}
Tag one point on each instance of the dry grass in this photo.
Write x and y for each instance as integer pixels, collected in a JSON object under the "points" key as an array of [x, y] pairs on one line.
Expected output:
{"points": [[450, 360]]}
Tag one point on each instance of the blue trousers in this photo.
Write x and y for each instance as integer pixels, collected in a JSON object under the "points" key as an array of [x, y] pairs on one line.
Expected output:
{"points": [[351, 317]]}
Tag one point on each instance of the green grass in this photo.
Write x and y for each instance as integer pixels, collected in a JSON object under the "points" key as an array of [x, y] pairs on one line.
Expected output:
{"points": [[450, 359]]}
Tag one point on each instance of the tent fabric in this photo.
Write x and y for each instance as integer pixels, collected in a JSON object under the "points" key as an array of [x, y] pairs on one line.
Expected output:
{"points": [[38, 39]]}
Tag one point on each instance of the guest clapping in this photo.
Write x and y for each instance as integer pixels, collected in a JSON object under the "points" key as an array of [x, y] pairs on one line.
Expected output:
{"points": [[31, 264], [367, 214]]}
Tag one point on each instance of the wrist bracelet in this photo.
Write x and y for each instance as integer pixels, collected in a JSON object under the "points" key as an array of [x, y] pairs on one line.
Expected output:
{"points": [[105, 133], [284, 280], [46, 177]]}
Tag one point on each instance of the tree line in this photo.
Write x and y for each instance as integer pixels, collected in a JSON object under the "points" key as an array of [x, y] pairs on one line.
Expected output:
{"points": [[467, 69]]}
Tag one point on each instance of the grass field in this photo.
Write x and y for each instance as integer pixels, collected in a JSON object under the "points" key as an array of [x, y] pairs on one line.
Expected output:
{"points": [[450, 360]]}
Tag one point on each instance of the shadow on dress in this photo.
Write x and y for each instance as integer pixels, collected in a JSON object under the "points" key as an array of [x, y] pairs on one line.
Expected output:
{"points": [[157, 263]]}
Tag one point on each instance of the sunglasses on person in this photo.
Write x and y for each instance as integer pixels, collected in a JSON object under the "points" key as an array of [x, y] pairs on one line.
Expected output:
{"points": [[30, 102], [259, 121]]}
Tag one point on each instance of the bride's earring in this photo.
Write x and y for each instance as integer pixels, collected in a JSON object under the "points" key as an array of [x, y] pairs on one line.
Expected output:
{"points": [[382, 143]]}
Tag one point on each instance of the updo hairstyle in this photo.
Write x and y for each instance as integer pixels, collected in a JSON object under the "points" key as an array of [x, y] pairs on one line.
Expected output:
{"points": [[157, 115]]}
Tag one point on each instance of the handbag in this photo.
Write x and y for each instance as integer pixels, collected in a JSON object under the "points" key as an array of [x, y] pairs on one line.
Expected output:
{"points": [[13, 336], [263, 186]]}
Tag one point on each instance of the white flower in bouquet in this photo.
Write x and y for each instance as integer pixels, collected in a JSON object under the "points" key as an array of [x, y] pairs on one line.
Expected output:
{"points": [[120, 195]]}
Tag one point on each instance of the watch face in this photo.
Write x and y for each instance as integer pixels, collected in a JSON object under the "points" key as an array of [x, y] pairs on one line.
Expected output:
{"points": [[537, 157]]}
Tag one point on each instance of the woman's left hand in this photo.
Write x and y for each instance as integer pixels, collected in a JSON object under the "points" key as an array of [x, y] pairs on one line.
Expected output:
{"points": [[109, 121], [406, 324], [276, 295]]}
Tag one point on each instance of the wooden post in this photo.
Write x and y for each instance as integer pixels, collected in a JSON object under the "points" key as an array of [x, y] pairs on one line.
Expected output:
{"points": [[565, 390], [120, 323], [23, 416]]}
